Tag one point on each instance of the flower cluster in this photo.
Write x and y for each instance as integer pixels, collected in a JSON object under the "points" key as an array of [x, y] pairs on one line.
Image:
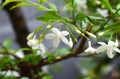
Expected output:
{"points": [[109, 48], [35, 45], [56, 36]]}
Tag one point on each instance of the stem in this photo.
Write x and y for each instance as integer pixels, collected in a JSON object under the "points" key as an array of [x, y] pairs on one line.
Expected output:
{"points": [[73, 13], [103, 25]]}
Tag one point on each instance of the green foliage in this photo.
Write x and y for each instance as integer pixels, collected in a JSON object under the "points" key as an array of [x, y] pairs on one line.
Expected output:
{"points": [[50, 17], [63, 51], [33, 58], [7, 43], [107, 5], [115, 27], [7, 62]]}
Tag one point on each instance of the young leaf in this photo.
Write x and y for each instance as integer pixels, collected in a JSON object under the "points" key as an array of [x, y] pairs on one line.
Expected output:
{"points": [[42, 1], [115, 27], [107, 5], [52, 6], [21, 4], [7, 43], [49, 17], [63, 51], [41, 7]]}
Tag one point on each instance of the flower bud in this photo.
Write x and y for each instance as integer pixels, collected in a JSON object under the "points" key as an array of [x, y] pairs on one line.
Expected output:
{"points": [[30, 36], [91, 35]]}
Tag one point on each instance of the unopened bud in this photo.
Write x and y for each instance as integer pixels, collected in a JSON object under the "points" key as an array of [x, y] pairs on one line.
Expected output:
{"points": [[91, 35], [30, 36]]}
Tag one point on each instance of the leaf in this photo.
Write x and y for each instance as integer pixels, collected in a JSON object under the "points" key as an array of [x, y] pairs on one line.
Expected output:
{"points": [[107, 5], [32, 58], [23, 49], [49, 17], [42, 1], [52, 6], [63, 51], [21, 4], [115, 27], [7, 2], [80, 16], [47, 77], [7, 43], [41, 7]]}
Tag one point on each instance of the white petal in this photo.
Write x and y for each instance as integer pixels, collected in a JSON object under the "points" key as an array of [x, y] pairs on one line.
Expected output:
{"points": [[64, 40], [50, 36], [111, 43], [56, 42], [109, 53], [101, 43], [55, 30], [65, 33], [101, 49], [116, 49], [42, 48], [32, 42], [90, 50]]}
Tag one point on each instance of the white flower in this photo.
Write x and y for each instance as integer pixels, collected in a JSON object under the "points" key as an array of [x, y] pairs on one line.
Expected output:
{"points": [[40, 49], [110, 48], [58, 35], [90, 49], [32, 42]]}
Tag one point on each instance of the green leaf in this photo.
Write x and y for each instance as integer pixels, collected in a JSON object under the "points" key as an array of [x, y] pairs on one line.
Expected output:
{"points": [[52, 6], [115, 27], [7, 43], [20, 4], [23, 49], [49, 17], [42, 1], [33, 58], [63, 51], [47, 77], [7, 2], [80, 16], [107, 5], [41, 7]]}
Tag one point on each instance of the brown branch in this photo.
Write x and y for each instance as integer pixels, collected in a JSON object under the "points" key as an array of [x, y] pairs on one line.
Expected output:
{"points": [[19, 24], [13, 55], [75, 52]]}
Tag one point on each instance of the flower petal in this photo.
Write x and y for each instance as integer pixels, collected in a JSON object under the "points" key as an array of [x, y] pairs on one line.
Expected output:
{"points": [[42, 48], [101, 49], [56, 42], [102, 43], [55, 30], [109, 53], [65, 33], [50, 36], [116, 49], [90, 50], [64, 40], [111, 43]]}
